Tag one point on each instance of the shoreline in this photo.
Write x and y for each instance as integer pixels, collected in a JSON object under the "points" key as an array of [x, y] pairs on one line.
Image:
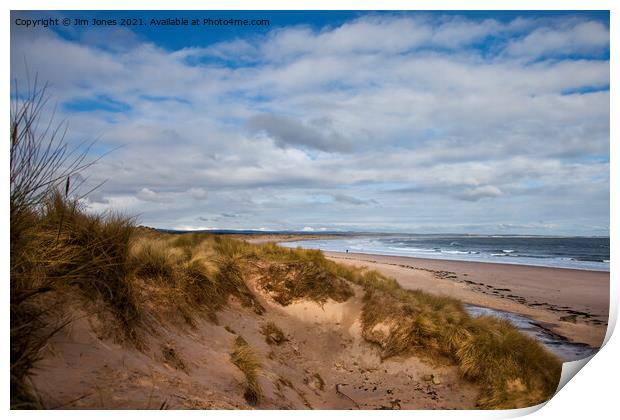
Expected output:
{"points": [[284, 238], [571, 303], [442, 260]]}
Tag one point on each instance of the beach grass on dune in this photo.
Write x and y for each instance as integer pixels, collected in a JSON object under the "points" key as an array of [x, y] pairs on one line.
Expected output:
{"points": [[190, 275], [513, 370], [245, 358], [287, 282], [106, 259], [63, 251], [273, 334]]}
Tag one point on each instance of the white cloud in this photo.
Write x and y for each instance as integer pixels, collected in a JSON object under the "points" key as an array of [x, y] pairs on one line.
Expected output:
{"points": [[578, 38], [191, 227], [392, 109], [477, 193], [146, 194], [197, 193]]}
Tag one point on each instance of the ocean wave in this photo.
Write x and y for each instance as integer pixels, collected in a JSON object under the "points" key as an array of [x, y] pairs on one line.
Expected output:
{"points": [[521, 254], [589, 259], [503, 251], [409, 249]]}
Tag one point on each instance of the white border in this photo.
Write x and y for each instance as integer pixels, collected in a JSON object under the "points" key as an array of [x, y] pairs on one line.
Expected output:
{"points": [[592, 394]]}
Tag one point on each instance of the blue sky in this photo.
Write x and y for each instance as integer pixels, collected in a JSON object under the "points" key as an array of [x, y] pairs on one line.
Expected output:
{"points": [[464, 122]]}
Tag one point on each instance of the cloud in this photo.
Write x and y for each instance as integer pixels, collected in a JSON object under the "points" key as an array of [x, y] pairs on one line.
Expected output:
{"points": [[192, 227], [477, 193], [290, 132], [197, 193], [384, 34], [527, 226], [426, 114], [146, 194], [582, 37], [347, 199]]}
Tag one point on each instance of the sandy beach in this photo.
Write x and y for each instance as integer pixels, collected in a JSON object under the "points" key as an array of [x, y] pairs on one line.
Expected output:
{"points": [[571, 303]]}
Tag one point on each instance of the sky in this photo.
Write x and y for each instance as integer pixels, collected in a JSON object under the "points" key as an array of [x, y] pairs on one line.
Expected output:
{"points": [[412, 122]]}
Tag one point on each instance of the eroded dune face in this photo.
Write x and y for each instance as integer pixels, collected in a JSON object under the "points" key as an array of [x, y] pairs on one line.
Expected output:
{"points": [[322, 362], [212, 322]]}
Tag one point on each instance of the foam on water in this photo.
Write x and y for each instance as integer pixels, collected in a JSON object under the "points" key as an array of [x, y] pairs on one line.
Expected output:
{"points": [[575, 253]]}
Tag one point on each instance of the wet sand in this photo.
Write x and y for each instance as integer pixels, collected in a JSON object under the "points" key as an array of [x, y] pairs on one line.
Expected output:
{"points": [[570, 303]]}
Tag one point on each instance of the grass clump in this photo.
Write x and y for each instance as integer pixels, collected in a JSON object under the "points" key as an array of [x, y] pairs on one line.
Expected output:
{"points": [[186, 276], [287, 282], [244, 357], [90, 252], [231, 274], [29, 335], [153, 259], [512, 369], [67, 251], [273, 334], [300, 274], [189, 240], [172, 357], [56, 248]]}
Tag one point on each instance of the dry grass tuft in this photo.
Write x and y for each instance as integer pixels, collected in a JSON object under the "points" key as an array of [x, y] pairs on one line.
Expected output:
{"points": [[231, 274], [512, 369], [189, 240], [56, 248], [66, 250], [152, 259], [30, 331], [61, 251], [300, 274], [184, 275], [244, 357], [287, 282], [273, 334], [172, 357], [90, 253]]}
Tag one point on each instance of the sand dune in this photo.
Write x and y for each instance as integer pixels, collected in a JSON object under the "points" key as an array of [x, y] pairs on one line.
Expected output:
{"points": [[323, 363], [572, 303]]}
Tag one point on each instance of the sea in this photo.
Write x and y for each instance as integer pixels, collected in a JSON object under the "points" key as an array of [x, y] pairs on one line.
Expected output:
{"points": [[581, 253]]}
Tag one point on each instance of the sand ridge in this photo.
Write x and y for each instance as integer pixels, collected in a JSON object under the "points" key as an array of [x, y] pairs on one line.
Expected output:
{"points": [[324, 363], [571, 303]]}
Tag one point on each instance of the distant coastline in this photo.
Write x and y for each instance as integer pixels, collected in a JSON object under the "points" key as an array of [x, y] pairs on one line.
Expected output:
{"points": [[579, 253], [307, 234]]}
